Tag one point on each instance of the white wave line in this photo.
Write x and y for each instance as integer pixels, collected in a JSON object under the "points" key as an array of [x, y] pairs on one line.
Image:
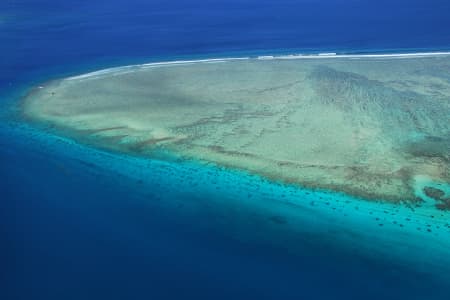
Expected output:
{"points": [[324, 55], [126, 69], [334, 55]]}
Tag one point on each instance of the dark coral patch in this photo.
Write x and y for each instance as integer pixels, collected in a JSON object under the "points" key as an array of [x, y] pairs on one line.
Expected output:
{"points": [[434, 193], [438, 195]]}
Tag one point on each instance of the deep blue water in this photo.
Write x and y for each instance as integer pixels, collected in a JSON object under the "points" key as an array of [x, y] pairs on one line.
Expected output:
{"points": [[70, 231]]}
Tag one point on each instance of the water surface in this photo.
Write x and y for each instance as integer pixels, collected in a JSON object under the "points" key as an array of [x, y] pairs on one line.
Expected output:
{"points": [[78, 222]]}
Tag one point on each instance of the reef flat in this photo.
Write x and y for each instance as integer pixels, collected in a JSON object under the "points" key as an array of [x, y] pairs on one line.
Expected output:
{"points": [[371, 126]]}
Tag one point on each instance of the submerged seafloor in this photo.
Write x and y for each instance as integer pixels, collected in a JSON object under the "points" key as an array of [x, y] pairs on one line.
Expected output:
{"points": [[113, 110], [373, 127]]}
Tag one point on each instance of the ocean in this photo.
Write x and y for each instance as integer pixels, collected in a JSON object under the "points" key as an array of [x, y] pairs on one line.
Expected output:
{"points": [[83, 223]]}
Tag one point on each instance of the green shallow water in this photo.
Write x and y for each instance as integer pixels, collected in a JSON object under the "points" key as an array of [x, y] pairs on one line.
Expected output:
{"points": [[373, 127]]}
